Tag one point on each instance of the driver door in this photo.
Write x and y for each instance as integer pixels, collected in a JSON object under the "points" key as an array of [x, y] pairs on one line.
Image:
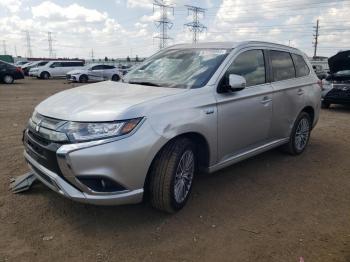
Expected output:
{"points": [[96, 73], [244, 117]]}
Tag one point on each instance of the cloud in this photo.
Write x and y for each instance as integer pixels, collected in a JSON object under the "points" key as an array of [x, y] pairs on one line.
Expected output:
{"points": [[148, 4], [54, 12], [11, 5]]}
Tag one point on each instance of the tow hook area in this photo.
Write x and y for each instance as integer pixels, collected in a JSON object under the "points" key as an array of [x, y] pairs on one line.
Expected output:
{"points": [[22, 183]]}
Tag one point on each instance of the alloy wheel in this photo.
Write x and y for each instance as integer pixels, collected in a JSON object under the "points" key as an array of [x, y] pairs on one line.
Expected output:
{"points": [[184, 176], [302, 134]]}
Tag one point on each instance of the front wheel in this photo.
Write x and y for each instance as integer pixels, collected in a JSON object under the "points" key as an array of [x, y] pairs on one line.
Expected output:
{"points": [[8, 79], [300, 135], [115, 78], [83, 79], [45, 75], [172, 175]]}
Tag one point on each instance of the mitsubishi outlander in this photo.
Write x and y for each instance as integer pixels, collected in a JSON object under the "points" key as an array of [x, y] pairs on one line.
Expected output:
{"points": [[187, 109]]}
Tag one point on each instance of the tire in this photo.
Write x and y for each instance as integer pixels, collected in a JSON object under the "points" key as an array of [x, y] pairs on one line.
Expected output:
{"points": [[115, 78], [300, 135], [325, 105], [83, 79], [164, 186], [45, 75], [8, 79]]}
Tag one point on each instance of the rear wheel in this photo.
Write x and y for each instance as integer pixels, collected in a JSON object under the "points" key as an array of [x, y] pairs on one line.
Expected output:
{"points": [[325, 105], [83, 79], [45, 75], [300, 135], [172, 175], [115, 78], [8, 79]]}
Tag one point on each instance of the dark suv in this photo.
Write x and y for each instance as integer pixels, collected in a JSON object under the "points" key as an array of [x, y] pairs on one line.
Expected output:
{"points": [[8, 73]]}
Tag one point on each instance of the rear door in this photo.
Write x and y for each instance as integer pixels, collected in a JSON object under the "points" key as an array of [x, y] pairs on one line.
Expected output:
{"points": [[244, 117], [289, 93]]}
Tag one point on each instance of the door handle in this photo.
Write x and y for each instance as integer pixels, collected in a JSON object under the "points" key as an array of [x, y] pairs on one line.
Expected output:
{"points": [[266, 100], [209, 111], [300, 92]]}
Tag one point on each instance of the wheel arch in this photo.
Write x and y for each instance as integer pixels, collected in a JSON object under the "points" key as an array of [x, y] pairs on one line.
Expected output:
{"points": [[202, 147], [310, 110], [43, 72]]}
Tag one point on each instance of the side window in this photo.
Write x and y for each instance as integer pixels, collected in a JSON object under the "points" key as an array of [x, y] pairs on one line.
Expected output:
{"points": [[56, 64], [108, 67], [301, 67], [282, 65], [97, 67], [251, 65]]}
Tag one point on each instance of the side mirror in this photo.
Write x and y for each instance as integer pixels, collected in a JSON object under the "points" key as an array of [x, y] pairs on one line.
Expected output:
{"points": [[236, 82]]}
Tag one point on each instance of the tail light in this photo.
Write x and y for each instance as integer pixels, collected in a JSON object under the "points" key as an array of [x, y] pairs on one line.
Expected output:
{"points": [[320, 83], [18, 69]]}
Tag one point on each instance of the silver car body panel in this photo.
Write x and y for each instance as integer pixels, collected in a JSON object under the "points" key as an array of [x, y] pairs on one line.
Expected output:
{"points": [[224, 120]]}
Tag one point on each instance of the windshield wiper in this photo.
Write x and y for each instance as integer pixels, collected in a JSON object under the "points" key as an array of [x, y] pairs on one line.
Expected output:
{"points": [[145, 83]]}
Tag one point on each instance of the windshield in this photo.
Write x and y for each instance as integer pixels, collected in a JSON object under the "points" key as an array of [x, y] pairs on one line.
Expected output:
{"points": [[178, 68]]}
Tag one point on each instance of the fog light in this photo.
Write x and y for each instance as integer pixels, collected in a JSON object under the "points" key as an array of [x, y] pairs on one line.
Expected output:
{"points": [[101, 184]]}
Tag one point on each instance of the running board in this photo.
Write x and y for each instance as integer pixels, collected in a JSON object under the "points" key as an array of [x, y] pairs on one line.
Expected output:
{"points": [[22, 183]]}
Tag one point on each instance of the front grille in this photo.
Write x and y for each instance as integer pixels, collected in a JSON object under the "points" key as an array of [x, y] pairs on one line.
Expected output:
{"points": [[68, 77], [42, 151]]}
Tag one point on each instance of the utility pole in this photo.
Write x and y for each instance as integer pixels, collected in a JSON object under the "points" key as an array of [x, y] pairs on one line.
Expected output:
{"points": [[4, 47], [316, 35], [15, 50], [92, 54], [195, 26], [164, 23], [49, 38], [29, 48]]}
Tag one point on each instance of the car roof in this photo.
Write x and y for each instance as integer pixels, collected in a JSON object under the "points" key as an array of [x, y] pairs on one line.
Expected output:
{"points": [[232, 45]]}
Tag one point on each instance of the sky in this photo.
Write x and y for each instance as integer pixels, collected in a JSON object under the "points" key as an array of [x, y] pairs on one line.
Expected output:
{"points": [[120, 28]]}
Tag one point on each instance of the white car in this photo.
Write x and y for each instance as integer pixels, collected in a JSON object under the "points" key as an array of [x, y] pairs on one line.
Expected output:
{"points": [[94, 72], [58, 68], [33, 71]]}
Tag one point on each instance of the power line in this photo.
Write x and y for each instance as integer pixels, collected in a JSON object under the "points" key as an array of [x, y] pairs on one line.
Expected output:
{"points": [[164, 23], [195, 26], [316, 35], [29, 47]]}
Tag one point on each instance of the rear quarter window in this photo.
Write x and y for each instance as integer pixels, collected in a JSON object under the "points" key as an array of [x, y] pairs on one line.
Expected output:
{"points": [[282, 65], [301, 67]]}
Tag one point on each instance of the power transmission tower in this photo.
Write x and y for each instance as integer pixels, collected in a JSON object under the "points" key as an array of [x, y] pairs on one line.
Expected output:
{"points": [[195, 26], [164, 23], [29, 48], [49, 38], [4, 47], [316, 35]]}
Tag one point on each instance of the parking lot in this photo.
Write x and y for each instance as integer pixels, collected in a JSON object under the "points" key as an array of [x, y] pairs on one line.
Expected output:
{"points": [[273, 207]]}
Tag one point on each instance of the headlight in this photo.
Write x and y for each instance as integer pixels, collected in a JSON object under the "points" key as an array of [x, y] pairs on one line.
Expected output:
{"points": [[81, 131]]}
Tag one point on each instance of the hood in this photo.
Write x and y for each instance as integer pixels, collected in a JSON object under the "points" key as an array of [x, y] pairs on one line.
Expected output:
{"points": [[104, 101], [339, 62]]}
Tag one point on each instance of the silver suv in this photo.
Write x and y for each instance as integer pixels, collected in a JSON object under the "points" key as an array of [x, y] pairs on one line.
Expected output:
{"points": [[186, 109]]}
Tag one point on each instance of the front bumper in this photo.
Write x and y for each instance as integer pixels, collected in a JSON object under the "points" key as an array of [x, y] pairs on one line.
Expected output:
{"points": [[337, 94], [124, 160]]}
